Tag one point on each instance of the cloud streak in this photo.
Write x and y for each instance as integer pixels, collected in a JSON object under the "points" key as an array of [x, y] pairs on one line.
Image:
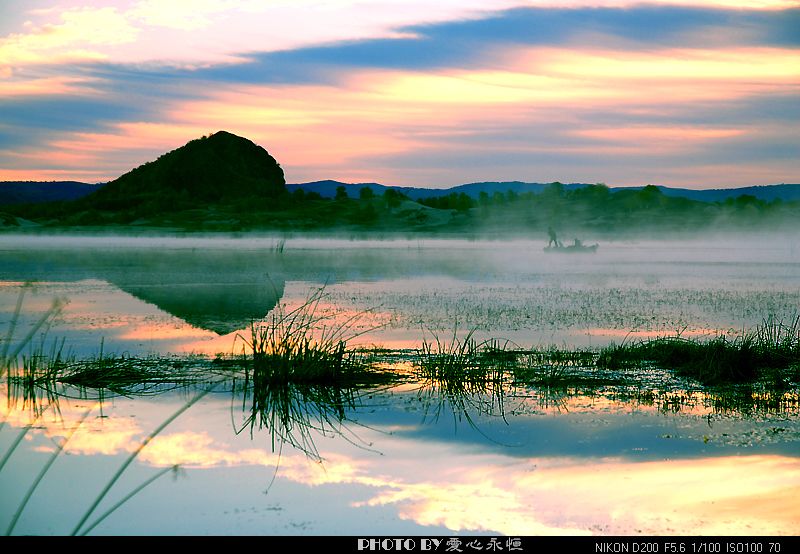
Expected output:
{"points": [[701, 95]]}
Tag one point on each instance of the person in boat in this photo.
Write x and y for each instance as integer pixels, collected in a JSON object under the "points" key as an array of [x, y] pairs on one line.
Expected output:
{"points": [[553, 237]]}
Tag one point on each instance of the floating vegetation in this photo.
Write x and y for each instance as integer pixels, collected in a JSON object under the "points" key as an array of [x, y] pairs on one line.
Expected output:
{"points": [[124, 374], [558, 368], [753, 400], [43, 377], [570, 305], [728, 400]]}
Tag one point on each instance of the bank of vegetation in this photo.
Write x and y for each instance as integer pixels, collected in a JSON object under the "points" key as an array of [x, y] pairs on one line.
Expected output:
{"points": [[306, 348], [593, 210]]}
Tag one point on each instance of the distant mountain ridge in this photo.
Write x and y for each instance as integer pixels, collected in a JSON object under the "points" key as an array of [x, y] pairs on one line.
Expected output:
{"points": [[21, 192], [768, 193], [33, 192], [327, 189]]}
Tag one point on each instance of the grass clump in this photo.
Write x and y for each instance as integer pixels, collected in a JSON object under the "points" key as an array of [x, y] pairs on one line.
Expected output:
{"points": [[462, 377], [770, 352], [300, 377], [461, 361], [305, 345]]}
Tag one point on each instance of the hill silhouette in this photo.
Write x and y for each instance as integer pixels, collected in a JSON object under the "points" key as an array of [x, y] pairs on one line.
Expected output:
{"points": [[217, 169]]}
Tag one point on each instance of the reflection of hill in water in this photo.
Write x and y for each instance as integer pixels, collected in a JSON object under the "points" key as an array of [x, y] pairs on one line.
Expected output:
{"points": [[221, 291], [221, 307]]}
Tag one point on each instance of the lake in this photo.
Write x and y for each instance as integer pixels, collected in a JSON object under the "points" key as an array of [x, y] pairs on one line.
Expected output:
{"points": [[658, 456]]}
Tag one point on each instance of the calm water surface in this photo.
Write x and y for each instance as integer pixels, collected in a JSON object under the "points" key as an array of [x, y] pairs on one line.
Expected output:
{"points": [[410, 459]]}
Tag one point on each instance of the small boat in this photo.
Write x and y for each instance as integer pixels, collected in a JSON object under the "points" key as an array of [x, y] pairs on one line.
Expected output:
{"points": [[576, 248]]}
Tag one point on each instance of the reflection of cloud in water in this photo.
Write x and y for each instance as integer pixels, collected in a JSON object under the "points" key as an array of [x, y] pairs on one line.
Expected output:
{"points": [[539, 495], [610, 497], [97, 311], [160, 331], [110, 435], [470, 507], [200, 450], [106, 435], [225, 344], [468, 491], [663, 496]]}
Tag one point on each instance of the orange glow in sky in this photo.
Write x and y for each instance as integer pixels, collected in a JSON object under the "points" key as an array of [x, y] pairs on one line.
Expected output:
{"points": [[428, 95]]}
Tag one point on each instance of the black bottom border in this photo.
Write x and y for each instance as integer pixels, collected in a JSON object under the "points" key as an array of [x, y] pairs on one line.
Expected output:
{"points": [[582, 545], [468, 544]]}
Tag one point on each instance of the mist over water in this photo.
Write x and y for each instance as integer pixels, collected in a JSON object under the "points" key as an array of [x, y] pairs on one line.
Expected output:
{"points": [[208, 288]]}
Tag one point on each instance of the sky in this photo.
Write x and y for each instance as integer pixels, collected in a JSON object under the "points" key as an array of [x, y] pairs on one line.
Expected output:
{"points": [[409, 92]]}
